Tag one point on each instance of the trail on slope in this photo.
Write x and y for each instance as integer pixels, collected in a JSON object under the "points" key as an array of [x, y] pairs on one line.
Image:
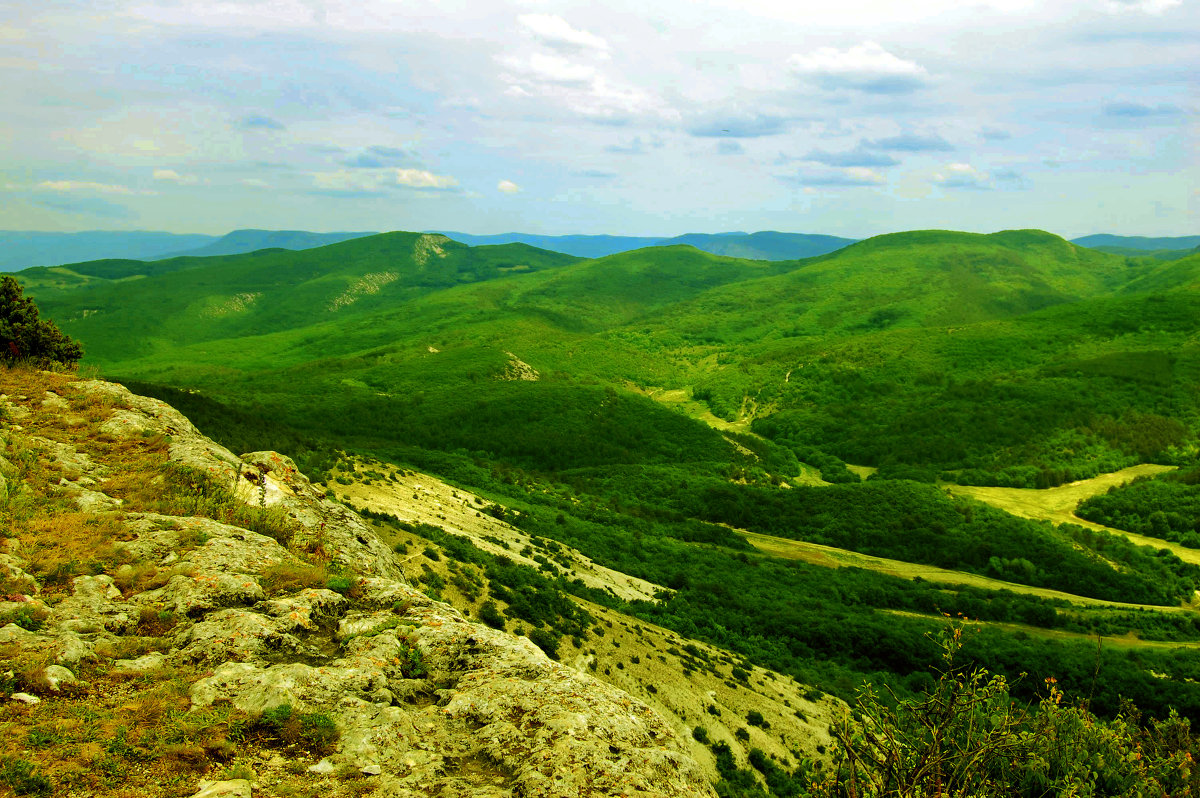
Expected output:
{"points": [[1129, 640]]}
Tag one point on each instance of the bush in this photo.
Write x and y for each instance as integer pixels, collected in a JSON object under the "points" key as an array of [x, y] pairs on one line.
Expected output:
{"points": [[491, 615], [23, 336], [546, 640], [967, 737]]}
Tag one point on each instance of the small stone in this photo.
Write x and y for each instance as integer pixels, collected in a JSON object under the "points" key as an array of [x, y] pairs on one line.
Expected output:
{"points": [[26, 698], [154, 661], [373, 769], [234, 788], [322, 768], [56, 676]]}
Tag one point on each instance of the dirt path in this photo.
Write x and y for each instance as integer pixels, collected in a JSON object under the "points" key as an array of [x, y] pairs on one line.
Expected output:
{"points": [[831, 557], [1057, 505]]}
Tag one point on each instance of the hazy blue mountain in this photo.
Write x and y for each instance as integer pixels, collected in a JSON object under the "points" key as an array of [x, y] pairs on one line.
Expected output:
{"points": [[766, 245], [578, 245], [240, 241], [1138, 242], [21, 249]]}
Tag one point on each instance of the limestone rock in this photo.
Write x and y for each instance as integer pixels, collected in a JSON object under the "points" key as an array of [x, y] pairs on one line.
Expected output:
{"points": [[273, 480], [196, 595], [11, 633], [234, 788], [92, 501], [239, 636], [542, 728], [73, 648], [56, 676], [96, 606], [148, 663], [13, 579], [309, 609], [73, 462], [53, 401]]}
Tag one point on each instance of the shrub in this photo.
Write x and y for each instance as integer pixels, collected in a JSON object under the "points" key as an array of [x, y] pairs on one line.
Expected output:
{"points": [[546, 640], [967, 737], [491, 615]]}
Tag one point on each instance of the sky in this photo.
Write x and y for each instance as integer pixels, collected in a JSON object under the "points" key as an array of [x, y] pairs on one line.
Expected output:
{"points": [[852, 118]]}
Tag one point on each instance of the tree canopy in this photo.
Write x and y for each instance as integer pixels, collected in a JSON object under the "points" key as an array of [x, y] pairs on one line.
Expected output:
{"points": [[25, 336]]}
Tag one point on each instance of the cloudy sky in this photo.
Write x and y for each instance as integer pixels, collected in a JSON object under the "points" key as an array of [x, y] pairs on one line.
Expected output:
{"points": [[849, 117]]}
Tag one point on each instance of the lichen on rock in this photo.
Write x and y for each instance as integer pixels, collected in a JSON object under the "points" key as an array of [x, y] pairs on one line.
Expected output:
{"points": [[424, 701]]}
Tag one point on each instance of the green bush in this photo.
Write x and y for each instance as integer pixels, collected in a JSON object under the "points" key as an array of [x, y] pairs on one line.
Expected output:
{"points": [[491, 615]]}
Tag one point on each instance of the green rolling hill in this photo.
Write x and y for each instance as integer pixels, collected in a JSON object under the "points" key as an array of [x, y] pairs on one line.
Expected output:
{"points": [[1009, 357], [1013, 359]]}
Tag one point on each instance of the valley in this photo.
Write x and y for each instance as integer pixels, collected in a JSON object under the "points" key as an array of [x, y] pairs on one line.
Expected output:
{"points": [[797, 468]]}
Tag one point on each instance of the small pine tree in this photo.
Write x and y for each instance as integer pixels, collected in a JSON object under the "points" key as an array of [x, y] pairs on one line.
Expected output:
{"points": [[25, 337]]}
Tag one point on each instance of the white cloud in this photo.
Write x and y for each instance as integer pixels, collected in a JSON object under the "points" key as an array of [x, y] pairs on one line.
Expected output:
{"points": [[508, 187], [554, 31], [850, 176], [1144, 6], [419, 178], [170, 175], [962, 175], [865, 67], [371, 181], [87, 186], [553, 69], [581, 88], [254, 182]]}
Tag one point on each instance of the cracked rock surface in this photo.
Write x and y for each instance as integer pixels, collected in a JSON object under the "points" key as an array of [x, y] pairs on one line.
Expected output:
{"points": [[425, 701]]}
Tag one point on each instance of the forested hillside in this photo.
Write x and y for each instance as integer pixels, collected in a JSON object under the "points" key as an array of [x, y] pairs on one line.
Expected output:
{"points": [[654, 408]]}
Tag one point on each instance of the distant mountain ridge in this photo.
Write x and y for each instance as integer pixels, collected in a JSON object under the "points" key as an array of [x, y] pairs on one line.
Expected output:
{"points": [[1137, 242], [250, 240], [764, 245], [23, 249]]}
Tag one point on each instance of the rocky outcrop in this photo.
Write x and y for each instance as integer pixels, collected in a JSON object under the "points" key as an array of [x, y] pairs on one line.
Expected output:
{"points": [[425, 702]]}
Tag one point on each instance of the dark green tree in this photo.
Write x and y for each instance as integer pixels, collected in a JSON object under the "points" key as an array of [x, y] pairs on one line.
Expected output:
{"points": [[24, 336]]}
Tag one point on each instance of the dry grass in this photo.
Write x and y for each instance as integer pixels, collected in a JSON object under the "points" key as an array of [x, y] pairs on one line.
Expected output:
{"points": [[113, 734], [119, 736], [830, 557], [290, 577]]}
